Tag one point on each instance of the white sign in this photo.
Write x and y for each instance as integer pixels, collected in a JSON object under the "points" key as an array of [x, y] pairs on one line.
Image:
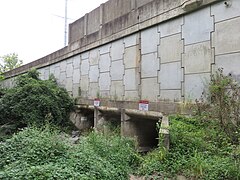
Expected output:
{"points": [[96, 102], [143, 105]]}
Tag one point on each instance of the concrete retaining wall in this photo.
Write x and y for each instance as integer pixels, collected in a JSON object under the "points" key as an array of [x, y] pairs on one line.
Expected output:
{"points": [[158, 50]]}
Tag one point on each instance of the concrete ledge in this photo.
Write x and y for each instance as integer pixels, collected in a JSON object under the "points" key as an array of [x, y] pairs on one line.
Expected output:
{"points": [[166, 107]]}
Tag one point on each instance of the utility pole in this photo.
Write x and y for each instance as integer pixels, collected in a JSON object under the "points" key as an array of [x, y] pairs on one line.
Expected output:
{"points": [[65, 24]]}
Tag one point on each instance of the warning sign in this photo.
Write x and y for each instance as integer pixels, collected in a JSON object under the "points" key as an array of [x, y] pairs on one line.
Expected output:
{"points": [[143, 105], [96, 102]]}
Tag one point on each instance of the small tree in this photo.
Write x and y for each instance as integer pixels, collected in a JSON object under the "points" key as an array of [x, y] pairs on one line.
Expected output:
{"points": [[9, 62]]}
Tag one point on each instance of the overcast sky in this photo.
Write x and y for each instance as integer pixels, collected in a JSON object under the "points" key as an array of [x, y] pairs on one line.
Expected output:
{"points": [[34, 28]]}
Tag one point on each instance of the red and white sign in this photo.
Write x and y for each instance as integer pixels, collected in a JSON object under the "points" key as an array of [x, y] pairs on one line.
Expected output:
{"points": [[143, 105], [96, 102]]}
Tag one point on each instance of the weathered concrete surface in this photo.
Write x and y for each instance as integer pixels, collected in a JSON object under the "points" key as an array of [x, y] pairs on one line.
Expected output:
{"points": [[222, 12], [124, 51], [148, 93], [106, 24], [158, 50], [171, 48], [195, 31], [194, 90], [149, 65], [197, 58], [227, 41], [169, 80], [231, 64]]}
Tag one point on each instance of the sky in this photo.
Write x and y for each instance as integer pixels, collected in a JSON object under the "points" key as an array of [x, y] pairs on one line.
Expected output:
{"points": [[35, 28]]}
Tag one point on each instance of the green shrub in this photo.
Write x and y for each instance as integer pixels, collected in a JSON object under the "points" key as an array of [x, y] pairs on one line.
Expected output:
{"points": [[223, 104], [35, 101], [46, 154]]}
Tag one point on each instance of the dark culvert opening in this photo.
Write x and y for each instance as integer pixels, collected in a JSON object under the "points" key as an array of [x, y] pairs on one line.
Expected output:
{"points": [[111, 123], [83, 120], [146, 132]]}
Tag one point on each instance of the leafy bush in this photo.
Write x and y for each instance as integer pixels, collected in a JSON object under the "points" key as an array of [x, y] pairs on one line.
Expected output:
{"points": [[223, 104], [35, 101], [46, 154], [198, 149]]}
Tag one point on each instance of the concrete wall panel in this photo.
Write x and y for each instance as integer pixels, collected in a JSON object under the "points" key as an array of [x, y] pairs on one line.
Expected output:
{"points": [[197, 26], [170, 95], [69, 70], [84, 85], [132, 57], [150, 89], [115, 9], [93, 21], [131, 96], [62, 79], [117, 90], [85, 55], [171, 27], [222, 12], [131, 40], [197, 58], [69, 84], [76, 62], [230, 64], [76, 90], [117, 50], [170, 48], [226, 37], [170, 76], [131, 79], [76, 76], [51, 69], [195, 85], [57, 72], [105, 49], [63, 66], [104, 63], [104, 81], [93, 90], [117, 70], [46, 73], [85, 67], [94, 57], [149, 65], [93, 73], [149, 40]]}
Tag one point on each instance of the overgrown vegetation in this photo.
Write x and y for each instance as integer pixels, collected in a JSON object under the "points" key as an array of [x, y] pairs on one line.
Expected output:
{"points": [[223, 104], [199, 149], [46, 154], [35, 101]]}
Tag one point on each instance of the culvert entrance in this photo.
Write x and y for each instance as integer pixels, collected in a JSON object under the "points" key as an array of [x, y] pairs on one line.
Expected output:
{"points": [[83, 119], [142, 125], [144, 131]]}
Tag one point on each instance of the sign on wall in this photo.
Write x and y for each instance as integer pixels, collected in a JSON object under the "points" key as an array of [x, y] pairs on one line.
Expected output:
{"points": [[143, 105], [96, 102]]}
